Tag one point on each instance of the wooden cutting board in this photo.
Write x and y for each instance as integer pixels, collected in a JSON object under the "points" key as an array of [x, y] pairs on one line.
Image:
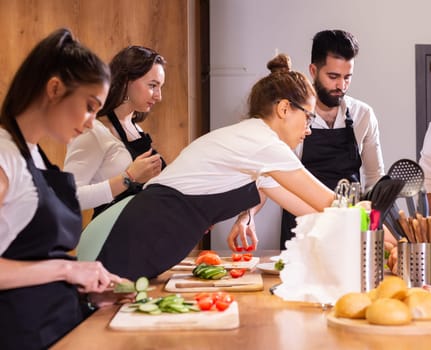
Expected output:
{"points": [[181, 282], [188, 264], [137, 321], [362, 326]]}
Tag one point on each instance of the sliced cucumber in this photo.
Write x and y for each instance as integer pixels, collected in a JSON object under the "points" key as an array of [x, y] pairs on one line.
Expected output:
{"points": [[129, 308], [193, 308], [155, 312], [141, 296], [142, 284], [148, 307]]}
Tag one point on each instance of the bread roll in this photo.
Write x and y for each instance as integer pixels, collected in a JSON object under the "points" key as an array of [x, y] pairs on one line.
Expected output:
{"points": [[352, 305], [415, 290], [372, 293], [419, 304], [392, 287], [387, 311]]}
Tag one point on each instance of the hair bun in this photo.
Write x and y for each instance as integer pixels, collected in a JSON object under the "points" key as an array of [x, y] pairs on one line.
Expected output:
{"points": [[280, 63]]}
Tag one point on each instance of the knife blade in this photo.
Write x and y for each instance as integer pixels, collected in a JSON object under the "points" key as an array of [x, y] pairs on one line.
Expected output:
{"points": [[210, 284]]}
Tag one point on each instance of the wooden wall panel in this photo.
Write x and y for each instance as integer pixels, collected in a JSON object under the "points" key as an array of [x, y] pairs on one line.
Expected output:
{"points": [[106, 26]]}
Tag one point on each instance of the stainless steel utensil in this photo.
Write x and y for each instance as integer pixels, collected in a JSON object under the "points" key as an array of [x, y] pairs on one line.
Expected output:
{"points": [[413, 175]]}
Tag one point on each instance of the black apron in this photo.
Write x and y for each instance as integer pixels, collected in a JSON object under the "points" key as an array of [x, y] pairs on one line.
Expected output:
{"points": [[135, 148], [330, 155], [35, 317], [170, 224]]}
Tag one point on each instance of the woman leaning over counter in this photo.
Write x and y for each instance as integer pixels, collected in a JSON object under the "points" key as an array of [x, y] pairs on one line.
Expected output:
{"points": [[56, 92], [216, 177]]}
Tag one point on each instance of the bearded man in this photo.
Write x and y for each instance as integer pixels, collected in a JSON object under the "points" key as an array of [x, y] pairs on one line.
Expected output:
{"points": [[345, 141]]}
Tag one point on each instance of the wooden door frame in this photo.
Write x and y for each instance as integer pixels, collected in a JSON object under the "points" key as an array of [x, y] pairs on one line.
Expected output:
{"points": [[423, 93]]}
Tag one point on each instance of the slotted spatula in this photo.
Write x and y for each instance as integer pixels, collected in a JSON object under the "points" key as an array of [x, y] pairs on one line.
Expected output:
{"points": [[413, 176]]}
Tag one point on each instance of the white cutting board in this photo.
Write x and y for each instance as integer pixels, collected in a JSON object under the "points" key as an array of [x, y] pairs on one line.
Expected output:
{"points": [[250, 282], [188, 264], [138, 321]]}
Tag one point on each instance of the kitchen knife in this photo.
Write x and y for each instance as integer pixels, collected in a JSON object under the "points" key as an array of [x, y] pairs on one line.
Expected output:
{"points": [[211, 284]]}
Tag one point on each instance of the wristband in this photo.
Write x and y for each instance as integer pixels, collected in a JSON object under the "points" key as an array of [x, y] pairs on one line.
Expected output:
{"points": [[127, 181], [129, 175]]}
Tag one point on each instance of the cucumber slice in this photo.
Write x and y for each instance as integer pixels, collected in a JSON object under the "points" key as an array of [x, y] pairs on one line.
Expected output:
{"points": [[148, 307], [155, 312], [129, 308], [194, 308], [219, 275], [141, 296], [180, 308], [142, 284]]}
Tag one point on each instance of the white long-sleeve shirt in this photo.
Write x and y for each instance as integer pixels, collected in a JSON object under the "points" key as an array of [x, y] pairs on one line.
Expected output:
{"points": [[366, 129], [21, 200], [93, 158]]}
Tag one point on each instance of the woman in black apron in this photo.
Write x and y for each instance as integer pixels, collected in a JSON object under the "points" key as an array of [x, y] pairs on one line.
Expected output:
{"points": [[330, 155], [214, 178], [135, 148], [137, 80], [39, 299]]}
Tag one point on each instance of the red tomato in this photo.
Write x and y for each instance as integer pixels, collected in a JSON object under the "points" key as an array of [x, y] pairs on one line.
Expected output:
{"points": [[235, 273], [247, 256], [221, 305], [209, 258], [205, 304], [239, 249], [204, 252], [202, 295], [250, 248], [236, 257], [220, 296]]}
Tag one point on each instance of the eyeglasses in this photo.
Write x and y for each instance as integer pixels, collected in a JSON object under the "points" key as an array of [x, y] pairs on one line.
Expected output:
{"points": [[310, 116]]}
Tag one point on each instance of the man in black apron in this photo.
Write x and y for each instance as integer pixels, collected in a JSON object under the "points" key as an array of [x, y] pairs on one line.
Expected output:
{"points": [[335, 149]]}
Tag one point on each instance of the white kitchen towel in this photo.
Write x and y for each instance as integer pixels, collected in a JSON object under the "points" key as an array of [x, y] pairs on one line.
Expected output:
{"points": [[324, 260]]}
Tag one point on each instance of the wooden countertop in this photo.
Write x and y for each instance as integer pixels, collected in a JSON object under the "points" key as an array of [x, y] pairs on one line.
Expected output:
{"points": [[266, 322]]}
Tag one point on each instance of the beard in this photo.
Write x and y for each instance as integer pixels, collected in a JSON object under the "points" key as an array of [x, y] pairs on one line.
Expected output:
{"points": [[325, 96]]}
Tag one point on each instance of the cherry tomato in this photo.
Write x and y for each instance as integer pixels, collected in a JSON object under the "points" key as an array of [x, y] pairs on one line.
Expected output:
{"points": [[235, 273], [239, 249], [205, 304], [247, 256], [236, 257], [202, 295], [250, 248], [221, 305]]}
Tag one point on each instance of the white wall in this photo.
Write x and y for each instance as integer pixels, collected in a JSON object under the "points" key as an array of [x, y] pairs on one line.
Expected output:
{"points": [[244, 36]]}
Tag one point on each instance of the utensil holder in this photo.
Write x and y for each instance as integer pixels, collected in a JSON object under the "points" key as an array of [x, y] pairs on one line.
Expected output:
{"points": [[372, 254], [414, 263]]}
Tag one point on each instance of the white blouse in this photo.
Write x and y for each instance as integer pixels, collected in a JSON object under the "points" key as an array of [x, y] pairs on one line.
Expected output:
{"points": [[93, 158], [21, 200]]}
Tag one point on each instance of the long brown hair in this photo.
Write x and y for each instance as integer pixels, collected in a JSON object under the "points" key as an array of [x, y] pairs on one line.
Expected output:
{"points": [[128, 65], [61, 55]]}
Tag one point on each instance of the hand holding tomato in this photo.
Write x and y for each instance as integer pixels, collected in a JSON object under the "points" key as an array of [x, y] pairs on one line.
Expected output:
{"points": [[242, 230]]}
